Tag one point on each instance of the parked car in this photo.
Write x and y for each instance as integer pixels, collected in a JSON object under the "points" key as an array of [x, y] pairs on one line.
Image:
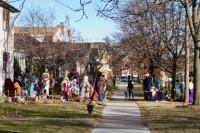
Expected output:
{"points": [[124, 80], [135, 79]]}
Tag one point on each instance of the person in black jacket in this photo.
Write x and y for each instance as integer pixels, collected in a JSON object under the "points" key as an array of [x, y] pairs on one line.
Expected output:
{"points": [[130, 88], [147, 84]]}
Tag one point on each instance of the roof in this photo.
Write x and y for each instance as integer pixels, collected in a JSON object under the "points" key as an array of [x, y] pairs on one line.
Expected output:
{"points": [[39, 30], [8, 6]]}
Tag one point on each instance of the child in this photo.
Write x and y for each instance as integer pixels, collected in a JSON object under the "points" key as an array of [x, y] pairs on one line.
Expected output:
{"points": [[153, 93]]}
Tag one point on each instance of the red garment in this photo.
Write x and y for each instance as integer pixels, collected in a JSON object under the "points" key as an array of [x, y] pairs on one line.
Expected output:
{"points": [[66, 90], [9, 85]]}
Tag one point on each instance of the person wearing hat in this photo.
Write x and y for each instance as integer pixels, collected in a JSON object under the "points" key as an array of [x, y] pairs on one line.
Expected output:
{"points": [[147, 84], [46, 83]]}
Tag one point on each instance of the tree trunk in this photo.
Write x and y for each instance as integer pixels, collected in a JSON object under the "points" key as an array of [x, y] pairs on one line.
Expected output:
{"points": [[187, 61], [173, 78], [197, 73]]}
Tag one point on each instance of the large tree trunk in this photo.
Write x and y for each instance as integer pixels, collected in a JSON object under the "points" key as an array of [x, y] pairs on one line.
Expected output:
{"points": [[187, 61], [173, 78], [197, 73]]}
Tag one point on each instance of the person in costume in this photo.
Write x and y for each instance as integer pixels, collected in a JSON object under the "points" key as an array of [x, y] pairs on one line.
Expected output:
{"points": [[35, 89], [84, 88], [65, 87], [17, 86], [46, 83], [9, 87], [74, 87], [77, 78], [31, 90], [191, 90], [91, 91]]}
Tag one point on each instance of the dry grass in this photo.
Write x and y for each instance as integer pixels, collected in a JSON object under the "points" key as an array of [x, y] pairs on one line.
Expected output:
{"points": [[168, 117]]}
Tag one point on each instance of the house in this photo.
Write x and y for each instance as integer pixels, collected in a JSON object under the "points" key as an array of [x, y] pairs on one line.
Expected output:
{"points": [[52, 34], [7, 39], [79, 56], [28, 37], [84, 57]]}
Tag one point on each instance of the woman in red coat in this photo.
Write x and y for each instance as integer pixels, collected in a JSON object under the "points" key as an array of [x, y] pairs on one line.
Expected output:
{"points": [[100, 90]]}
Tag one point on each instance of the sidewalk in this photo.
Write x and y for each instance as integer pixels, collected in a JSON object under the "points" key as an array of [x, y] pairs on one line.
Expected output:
{"points": [[121, 116]]}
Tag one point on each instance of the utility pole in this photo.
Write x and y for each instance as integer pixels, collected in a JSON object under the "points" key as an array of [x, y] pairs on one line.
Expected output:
{"points": [[69, 28]]}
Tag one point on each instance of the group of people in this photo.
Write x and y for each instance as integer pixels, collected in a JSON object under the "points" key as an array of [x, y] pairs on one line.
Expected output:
{"points": [[18, 87], [156, 89], [71, 89], [21, 86]]}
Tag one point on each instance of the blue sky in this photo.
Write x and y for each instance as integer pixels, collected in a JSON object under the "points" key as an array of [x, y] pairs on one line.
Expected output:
{"points": [[92, 29]]}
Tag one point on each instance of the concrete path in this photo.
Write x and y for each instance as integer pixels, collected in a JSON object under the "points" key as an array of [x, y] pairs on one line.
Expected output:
{"points": [[121, 116]]}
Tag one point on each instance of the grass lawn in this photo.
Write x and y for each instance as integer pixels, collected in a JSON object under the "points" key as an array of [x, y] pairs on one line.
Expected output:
{"points": [[46, 126], [168, 117], [71, 110]]}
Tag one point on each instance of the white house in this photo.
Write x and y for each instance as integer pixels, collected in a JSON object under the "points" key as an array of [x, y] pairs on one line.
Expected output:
{"points": [[6, 41]]}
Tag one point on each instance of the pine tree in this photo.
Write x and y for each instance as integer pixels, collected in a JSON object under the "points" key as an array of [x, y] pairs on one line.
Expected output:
{"points": [[17, 68]]}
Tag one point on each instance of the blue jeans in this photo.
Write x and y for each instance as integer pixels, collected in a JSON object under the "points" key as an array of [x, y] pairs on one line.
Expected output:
{"points": [[100, 96]]}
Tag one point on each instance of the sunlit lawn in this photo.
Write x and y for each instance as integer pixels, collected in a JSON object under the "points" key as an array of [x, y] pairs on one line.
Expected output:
{"points": [[168, 117], [41, 111], [70, 115]]}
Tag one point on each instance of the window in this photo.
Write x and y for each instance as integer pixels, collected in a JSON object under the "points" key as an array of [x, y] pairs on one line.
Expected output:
{"points": [[5, 61], [5, 20]]}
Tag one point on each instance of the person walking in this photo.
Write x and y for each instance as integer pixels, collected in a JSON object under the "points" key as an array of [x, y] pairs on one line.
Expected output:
{"points": [[130, 88], [100, 90], [114, 79]]}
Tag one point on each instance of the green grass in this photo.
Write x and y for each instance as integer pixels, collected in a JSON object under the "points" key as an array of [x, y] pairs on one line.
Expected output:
{"points": [[74, 111], [71, 111], [49, 111], [111, 90], [46, 126], [168, 117]]}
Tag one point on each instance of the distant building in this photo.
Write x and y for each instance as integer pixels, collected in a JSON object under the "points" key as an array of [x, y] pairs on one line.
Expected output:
{"points": [[53, 34]]}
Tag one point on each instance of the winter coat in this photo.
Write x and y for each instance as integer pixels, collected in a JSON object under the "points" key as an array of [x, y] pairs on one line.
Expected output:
{"points": [[130, 86], [100, 85], [148, 83]]}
